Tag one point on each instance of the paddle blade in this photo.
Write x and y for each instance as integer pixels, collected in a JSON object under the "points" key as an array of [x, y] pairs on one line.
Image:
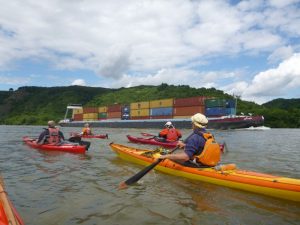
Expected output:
{"points": [[140, 174]]}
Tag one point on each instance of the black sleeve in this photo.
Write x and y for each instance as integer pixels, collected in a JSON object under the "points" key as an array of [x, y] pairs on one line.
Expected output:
{"points": [[61, 135], [42, 136]]}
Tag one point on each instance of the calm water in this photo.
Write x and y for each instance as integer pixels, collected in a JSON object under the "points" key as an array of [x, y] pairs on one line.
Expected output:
{"points": [[64, 188]]}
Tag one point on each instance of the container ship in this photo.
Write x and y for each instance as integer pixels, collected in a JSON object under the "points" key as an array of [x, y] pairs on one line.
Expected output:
{"points": [[221, 114]]}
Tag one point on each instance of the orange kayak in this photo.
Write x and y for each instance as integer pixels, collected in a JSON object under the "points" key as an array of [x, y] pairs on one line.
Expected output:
{"points": [[8, 213], [226, 175]]}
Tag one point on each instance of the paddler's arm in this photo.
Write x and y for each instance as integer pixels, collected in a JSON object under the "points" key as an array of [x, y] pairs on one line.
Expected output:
{"points": [[182, 156]]}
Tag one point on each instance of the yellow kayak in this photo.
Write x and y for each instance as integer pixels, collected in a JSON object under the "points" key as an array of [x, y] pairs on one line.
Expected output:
{"points": [[226, 175]]}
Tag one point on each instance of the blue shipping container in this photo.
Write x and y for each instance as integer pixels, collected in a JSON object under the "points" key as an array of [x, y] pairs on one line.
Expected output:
{"points": [[230, 103], [165, 111], [230, 111], [215, 111]]}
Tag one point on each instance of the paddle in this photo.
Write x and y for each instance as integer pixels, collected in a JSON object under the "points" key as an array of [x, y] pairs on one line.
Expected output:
{"points": [[147, 169], [147, 135], [142, 173], [225, 149]]}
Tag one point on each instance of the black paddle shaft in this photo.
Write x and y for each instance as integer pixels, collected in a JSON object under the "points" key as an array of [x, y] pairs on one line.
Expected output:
{"points": [[143, 172]]}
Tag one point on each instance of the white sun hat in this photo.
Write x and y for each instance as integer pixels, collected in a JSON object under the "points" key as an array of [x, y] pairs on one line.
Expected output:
{"points": [[199, 120]]}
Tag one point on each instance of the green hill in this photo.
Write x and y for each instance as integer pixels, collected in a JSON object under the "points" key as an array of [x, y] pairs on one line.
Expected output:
{"points": [[37, 105]]}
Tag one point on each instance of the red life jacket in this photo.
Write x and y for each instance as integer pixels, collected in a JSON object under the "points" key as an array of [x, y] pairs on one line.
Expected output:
{"points": [[172, 135], [54, 137]]}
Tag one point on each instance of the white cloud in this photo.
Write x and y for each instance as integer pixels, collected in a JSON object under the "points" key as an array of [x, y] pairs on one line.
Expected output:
{"points": [[79, 82], [133, 42], [281, 54], [272, 83]]}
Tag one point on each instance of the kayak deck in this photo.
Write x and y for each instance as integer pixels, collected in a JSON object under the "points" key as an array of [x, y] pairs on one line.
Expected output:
{"points": [[275, 186], [65, 147]]}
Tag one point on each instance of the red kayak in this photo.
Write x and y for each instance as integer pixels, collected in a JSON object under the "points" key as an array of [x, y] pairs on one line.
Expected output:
{"points": [[102, 136], [153, 141], [65, 147]]}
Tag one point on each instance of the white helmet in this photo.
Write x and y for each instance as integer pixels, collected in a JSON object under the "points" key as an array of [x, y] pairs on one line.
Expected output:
{"points": [[168, 124], [199, 120]]}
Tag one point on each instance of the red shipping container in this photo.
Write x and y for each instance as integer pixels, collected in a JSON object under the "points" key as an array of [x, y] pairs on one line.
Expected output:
{"points": [[114, 115], [188, 111], [140, 117], [90, 110], [192, 101], [114, 108], [78, 117]]}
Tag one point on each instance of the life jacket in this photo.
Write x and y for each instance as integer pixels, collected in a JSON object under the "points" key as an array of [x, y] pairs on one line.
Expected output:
{"points": [[211, 154], [86, 131], [54, 137], [172, 135]]}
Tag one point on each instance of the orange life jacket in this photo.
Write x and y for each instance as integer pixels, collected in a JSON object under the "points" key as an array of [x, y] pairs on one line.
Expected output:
{"points": [[86, 131], [54, 137], [211, 154], [172, 135]]}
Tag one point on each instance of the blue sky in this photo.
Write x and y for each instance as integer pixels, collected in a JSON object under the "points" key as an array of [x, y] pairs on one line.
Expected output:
{"points": [[247, 48]]}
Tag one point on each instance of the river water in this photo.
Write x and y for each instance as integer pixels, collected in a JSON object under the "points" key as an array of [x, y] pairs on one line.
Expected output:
{"points": [[54, 188]]}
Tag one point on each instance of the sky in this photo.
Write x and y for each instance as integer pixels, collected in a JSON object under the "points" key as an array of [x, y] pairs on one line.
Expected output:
{"points": [[246, 48]]}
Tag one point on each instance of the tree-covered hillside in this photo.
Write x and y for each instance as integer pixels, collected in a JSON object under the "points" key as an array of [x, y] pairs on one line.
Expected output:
{"points": [[37, 105]]}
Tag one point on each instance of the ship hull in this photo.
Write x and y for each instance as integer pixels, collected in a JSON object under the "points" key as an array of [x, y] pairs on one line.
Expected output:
{"points": [[224, 123]]}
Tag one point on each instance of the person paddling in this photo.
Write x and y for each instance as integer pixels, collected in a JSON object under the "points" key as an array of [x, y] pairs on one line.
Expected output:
{"points": [[169, 133], [51, 135], [200, 149], [86, 130]]}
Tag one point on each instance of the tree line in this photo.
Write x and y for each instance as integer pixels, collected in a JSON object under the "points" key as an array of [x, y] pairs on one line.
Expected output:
{"points": [[36, 105]]}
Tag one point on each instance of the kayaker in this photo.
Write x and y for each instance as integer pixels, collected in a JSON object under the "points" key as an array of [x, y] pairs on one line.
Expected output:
{"points": [[51, 135], [86, 130], [169, 133], [76, 138], [194, 154]]}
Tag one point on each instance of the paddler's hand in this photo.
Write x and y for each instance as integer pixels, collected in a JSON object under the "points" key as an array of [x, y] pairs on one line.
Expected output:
{"points": [[180, 144], [163, 157]]}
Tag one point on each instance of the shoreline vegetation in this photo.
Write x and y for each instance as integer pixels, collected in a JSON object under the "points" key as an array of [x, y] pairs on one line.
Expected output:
{"points": [[31, 105]]}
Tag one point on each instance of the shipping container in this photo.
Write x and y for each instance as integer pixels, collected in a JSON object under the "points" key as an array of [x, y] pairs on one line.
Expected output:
{"points": [[125, 109], [90, 116], [192, 101], [139, 117], [188, 111], [215, 111], [230, 103], [161, 111], [230, 111], [77, 111], [78, 117], [139, 112], [111, 115], [102, 115], [161, 117], [212, 103], [90, 110], [140, 105], [102, 109], [162, 103], [114, 108]]}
